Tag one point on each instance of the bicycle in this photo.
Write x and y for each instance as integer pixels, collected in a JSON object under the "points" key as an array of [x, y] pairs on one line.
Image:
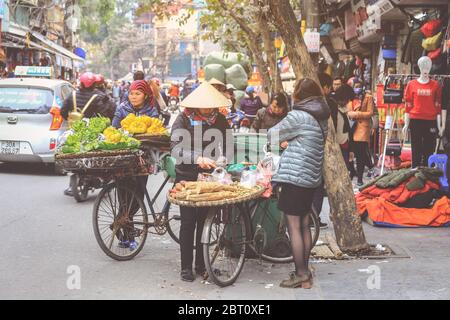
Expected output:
{"points": [[228, 237], [121, 221]]}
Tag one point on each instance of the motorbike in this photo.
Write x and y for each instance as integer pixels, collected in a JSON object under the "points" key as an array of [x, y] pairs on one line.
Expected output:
{"points": [[81, 185], [173, 105], [240, 122]]}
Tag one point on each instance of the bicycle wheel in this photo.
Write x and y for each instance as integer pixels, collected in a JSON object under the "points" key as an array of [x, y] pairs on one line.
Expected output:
{"points": [[120, 222], [80, 190], [174, 218], [225, 236], [279, 252]]}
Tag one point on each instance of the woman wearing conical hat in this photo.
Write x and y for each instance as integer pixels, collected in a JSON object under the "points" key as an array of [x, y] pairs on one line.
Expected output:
{"points": [[200, 115]]}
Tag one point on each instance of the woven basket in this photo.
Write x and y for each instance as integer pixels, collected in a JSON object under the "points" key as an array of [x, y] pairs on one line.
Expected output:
{"points": [[159, 141], [255, 194], [126, 162]]}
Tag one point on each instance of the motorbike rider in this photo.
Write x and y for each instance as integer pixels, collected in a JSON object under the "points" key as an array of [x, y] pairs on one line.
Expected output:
{"points": [[174, 91], [102, 105], [251, 104]]}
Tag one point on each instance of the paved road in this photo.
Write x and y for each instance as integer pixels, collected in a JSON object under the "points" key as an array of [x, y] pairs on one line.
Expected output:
{"points": [[44, 232]]}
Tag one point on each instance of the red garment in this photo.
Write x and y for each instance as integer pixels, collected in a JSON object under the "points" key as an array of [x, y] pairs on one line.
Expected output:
{"points": [[396, 195], [383, 212], [423, 101], [174, 91]]}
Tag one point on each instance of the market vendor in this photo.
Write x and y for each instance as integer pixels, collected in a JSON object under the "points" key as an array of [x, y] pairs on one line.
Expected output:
{"points": [[140, 101], [200, 118]]}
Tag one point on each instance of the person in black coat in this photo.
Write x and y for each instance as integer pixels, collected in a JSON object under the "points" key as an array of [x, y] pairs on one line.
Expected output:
{"points": [[102, 105], [200, 116]]}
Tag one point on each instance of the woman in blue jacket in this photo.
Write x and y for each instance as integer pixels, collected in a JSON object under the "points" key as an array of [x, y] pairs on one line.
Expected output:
{"points": [[140, 102], [303, 134]]}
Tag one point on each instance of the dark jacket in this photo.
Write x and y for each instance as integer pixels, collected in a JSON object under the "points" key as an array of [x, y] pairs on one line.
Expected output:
{"points": [[189, 154], [251, 106], [101, 106], [126, 108], [266, 120]]}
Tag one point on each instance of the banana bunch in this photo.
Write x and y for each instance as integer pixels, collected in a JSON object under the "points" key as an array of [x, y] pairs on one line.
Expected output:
{"points": [[112, 135], [143, 124]]}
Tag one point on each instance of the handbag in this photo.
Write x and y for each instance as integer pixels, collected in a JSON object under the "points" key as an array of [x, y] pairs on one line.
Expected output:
{"points": [[430, 28], [433, 55], [432, 43], [394, 149], [393, 95]]}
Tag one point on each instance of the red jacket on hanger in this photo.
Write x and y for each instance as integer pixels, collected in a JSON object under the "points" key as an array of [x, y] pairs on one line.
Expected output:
{"points": [[423, 101]]}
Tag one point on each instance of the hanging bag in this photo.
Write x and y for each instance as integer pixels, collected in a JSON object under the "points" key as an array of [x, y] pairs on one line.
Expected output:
{"points": [[393, 95], [76, 115], [432, 43], [431, 28]]}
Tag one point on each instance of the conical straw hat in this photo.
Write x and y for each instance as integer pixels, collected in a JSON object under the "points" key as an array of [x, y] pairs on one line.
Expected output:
{"points": [[205, 97], [215, 81]]}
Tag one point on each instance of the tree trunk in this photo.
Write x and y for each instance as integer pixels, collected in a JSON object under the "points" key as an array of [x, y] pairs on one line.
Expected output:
{"points": [[347, 224], [262, 65], [277, 85]]}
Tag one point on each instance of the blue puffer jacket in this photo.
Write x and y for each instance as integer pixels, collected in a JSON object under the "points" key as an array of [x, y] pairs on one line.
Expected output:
{"points": [[305, 128], [126, 108]]}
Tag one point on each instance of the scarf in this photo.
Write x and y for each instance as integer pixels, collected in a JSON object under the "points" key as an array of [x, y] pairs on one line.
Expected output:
{"points": [[144, 87], [195, 116]]}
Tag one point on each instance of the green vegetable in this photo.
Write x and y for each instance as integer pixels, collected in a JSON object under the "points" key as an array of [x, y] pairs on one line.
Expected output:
{"points": [[69, 150], [98, 125], [79, 126]]}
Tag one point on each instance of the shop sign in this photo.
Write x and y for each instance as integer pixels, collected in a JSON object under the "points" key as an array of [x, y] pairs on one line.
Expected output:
{"points": [[2, 8], [312, 41], [24, 71]]}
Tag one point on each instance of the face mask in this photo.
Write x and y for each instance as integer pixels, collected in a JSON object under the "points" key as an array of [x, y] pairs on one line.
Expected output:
{"points": [[358, 91]]}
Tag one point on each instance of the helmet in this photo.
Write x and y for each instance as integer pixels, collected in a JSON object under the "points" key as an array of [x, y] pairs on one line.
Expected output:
{"points": [[87, 79], [250, 89], [99, 79]]}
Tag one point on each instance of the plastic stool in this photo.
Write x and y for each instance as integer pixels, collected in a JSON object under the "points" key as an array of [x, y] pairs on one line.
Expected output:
{"points": [[440, 161]]}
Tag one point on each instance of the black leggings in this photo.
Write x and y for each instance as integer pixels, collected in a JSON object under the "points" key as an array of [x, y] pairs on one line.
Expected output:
{"points": [[363, 158], [423, 141], [192, 219]]}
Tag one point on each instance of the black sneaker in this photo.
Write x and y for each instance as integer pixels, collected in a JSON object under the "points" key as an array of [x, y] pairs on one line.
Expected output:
{"points": [[187, 275], [323, 225], [360, 183]]}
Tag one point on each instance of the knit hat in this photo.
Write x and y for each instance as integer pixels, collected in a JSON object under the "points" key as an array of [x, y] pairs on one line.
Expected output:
{"points": [[142, 86]]}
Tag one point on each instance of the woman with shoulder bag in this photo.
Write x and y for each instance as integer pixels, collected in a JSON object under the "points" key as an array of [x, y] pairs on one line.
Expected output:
{"points": [[363, 108]]}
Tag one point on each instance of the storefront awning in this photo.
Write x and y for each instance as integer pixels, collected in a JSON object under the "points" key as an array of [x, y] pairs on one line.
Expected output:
{"points": [[56, 47]]}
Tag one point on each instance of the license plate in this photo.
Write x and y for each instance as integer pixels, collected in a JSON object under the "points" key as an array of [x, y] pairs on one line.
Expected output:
{"points": [[10, 147], [15, 147]]}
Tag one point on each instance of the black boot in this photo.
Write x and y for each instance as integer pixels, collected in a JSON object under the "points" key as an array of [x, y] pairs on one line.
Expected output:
{"points": [[187, 275]]}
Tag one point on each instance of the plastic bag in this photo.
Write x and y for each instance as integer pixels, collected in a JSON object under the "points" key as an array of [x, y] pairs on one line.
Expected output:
{"points": [[249, 179], [63, 138], [220, 175]]}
